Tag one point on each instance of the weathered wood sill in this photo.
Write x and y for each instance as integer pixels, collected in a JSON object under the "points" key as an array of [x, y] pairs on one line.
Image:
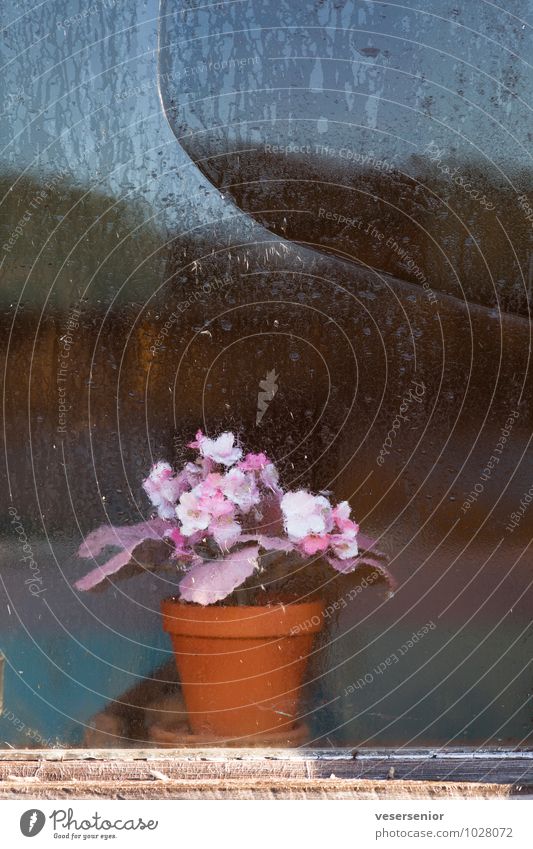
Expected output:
{"points": [[265, 773]]}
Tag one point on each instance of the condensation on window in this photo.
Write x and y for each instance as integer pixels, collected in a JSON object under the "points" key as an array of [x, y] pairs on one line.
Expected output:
{"points": [[198, 196]]}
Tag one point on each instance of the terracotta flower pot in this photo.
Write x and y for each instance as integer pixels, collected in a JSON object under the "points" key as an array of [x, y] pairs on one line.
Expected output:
{"points": [[241, 668]]}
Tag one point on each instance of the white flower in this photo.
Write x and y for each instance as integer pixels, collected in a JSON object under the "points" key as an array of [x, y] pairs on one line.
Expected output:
{"points": [[306, 514], [345, 544], [341, 513], [191, 513], [163, 489], [221, 449]]}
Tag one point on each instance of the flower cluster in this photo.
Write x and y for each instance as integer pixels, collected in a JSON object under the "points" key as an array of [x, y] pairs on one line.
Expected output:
{"points": [[233, 504], [314, 525], [214, 504]]}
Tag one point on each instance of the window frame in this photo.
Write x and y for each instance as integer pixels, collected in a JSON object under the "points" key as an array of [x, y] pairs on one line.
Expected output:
{"points": [[305, 773]]}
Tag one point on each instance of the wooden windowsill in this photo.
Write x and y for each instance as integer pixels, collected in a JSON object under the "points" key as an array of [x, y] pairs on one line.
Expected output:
{"points": [[265, 773]]}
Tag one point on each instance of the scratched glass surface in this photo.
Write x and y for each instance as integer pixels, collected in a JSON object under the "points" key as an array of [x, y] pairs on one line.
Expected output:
{"points": [[337, 191]]}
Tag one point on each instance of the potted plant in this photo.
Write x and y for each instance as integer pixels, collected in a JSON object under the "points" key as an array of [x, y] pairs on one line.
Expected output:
{"points": [[241, 636]]}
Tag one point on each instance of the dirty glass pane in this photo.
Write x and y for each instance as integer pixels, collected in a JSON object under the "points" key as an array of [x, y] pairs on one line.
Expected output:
{"points": [[196, 196]]}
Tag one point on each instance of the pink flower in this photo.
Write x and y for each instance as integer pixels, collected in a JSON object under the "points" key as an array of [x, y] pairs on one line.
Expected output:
{"points": [[211, 485], [305, 514], [314, 542], [254, 462], [270, 478], [241, 489], [345, 544], [221, 449], [217, 505], [197, 440], [163, 489], [180, 543], [341, 515], [192, 513]]}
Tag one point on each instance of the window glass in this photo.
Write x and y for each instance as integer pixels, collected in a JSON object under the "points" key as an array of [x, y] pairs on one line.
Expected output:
{"points": [[334, 198]]}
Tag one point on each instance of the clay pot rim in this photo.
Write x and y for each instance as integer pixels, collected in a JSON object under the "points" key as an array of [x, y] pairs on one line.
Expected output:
{"points": [[274, 619], [182, 735]]}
